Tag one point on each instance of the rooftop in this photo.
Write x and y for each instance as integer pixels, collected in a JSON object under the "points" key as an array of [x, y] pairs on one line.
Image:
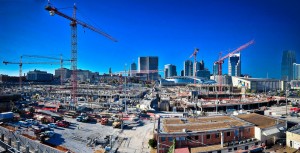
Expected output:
{"points": [[259, 120], [201, 124], [206, 148]]}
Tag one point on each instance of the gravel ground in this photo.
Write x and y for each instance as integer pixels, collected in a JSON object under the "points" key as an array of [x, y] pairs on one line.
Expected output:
{"points": [[136, 140], [77, 136]]}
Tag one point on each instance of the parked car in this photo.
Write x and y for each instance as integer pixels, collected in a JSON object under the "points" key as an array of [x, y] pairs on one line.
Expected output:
{"points": [[47, 134], [52, 125], [24, 124], [63, 124], [32, 121]]}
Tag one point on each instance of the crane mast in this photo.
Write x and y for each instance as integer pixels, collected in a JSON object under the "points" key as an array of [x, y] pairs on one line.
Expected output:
{"points": [[74, 21], [221, 60], [195, 60], [54, 58]]}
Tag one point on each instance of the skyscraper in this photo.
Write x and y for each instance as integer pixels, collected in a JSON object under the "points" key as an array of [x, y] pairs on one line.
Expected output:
{"points": [[188, 68], [200, 65], [133, 69], [149, 63], [288, 58], [296, 71], [170, 70], [215, 69], [234, 65]]}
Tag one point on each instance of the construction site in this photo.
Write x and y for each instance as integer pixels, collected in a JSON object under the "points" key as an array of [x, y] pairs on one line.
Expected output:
{"points": [[139, 110]]}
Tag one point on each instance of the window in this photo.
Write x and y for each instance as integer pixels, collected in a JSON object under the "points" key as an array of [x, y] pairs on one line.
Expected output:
{"points": [[219, 151], [235, 148], [210, 152], [230, 149], [208, 136], [256, 143], [217, 135], [246, 147], [163, 139], [249, 129], [228, 134], [170, 139], [196, 137]]}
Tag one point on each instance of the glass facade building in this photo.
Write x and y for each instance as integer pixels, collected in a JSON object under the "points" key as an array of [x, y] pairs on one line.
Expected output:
{"points": [[170, 70], [149, 63], [288, 59], [188, 68], [296, 71], [234, 65]]}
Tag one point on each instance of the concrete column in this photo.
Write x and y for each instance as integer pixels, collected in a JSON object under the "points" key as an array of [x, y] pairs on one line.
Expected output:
{"points": [[9, 141], [222, 139], [27, 148], [18, 145], [2, 137]]}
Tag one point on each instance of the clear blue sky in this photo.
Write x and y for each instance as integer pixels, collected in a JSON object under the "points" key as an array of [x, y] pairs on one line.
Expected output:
{"points": [[170, 29]]}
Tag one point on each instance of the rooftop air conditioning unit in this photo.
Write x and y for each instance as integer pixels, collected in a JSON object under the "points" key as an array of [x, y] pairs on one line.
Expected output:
{"points": [[183, 130]]}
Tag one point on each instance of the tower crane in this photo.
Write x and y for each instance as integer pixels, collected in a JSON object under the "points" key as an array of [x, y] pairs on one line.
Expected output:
{"points": [[21, 64], [74, 21], [221, 60], [195, 60], [54, 58]]}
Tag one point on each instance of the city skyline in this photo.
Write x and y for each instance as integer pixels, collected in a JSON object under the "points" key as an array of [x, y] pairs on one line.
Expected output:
{"points": [[167, 29]]}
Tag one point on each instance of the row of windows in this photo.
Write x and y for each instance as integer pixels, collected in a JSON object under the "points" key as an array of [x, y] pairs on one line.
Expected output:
{"points": [[208, 136]]}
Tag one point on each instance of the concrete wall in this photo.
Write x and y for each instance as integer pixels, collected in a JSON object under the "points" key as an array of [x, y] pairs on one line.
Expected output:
{"points": [[293, 140]]}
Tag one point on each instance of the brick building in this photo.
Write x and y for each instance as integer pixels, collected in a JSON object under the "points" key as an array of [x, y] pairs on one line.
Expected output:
{"points": [[206, 134]]}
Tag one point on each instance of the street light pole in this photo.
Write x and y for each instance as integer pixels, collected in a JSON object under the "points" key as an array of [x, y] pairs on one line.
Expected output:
{"points": [[286, 101]]}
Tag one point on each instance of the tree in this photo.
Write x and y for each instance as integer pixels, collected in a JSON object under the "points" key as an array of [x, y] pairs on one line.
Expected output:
{"points": [[152, 143]]}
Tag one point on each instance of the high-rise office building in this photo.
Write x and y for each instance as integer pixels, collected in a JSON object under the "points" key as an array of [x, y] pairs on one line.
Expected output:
{"points": [[296, 71], [288, 59], [215, 69], [188, 68], [182, 73], [149, 63], [170, 70], [234, 65], [133, 69], [200, 65]]}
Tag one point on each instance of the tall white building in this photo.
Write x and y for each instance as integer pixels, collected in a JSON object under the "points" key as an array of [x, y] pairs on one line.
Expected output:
{"points": [[234, 65], [296, 71]]}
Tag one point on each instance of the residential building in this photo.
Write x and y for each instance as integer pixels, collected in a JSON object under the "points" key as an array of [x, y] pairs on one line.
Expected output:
{"points": [[267, 129], [149, 65], [293, 137], [205, 134], [38, 76], [296, 71], [188, 68], [234, 64], [170, 70], [288, 58], [182, 73]]}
